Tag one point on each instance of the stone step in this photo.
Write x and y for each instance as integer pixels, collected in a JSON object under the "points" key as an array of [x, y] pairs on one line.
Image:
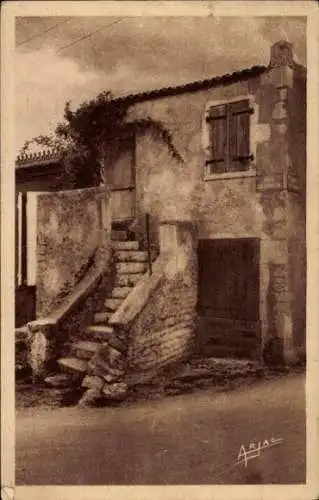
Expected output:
{"points": [[85, 349], [119, 235], [127, 279], [73, 365], [121, 292], [112, 304], [131, 267], [105, 334], [125, 245], [131, 256], [102, 332], [60, 380], [102, 317]]}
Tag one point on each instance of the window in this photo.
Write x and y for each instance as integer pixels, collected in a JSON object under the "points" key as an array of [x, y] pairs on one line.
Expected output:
{"points": [[229, 137]]}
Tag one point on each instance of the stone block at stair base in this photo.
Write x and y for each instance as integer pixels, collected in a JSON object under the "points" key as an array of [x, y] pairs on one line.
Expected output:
{"points": [[92, 382], [115, 392], [90, 398], [61, 380], [108, 373], [42, 347], [107, 362]]}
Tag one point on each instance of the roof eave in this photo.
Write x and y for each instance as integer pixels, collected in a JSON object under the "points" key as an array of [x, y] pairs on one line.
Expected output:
{"points": [[227, 79]]}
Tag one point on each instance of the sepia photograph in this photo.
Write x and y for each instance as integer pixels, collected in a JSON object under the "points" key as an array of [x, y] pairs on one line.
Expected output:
{"points": [[160, 249]]}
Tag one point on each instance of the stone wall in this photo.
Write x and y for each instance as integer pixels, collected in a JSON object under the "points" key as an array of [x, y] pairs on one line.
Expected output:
{"points": [[168, 189], [163, 333], [69, 236], [281, 197], [229, 205]]}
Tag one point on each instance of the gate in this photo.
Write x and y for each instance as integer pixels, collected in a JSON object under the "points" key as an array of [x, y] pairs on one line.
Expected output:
{"points": [[228, 298]]}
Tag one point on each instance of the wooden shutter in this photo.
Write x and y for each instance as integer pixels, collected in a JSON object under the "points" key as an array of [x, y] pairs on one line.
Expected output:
{"points": [[239, 135], [217, 120]]}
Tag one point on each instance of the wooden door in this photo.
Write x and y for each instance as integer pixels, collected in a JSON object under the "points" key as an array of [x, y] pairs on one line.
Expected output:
{"points": [[123, 200], [228, 297]]}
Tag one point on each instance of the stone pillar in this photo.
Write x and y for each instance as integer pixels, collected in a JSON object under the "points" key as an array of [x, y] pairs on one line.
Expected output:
{"points": [[43, 348], [179, 238], [275, 160]]}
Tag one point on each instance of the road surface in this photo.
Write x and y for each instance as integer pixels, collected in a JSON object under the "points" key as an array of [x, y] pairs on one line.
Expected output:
{"points": [[187, 439]]}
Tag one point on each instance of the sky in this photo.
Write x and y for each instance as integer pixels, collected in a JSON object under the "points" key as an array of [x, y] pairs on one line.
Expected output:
{"points": [[130, 54]]}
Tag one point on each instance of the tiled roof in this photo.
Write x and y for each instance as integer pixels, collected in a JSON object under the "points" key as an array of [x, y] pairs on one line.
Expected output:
{"points": [[49, 157], [193, 86]]}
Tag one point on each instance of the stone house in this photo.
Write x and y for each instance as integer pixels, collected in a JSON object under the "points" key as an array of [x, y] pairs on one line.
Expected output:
{"points": [[210, 247]]}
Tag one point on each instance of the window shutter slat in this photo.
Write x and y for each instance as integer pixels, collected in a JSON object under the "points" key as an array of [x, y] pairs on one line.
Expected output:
{"points": [[240, 146], [218, 138], [239, 135], [243, 146], [239, 107], [217, 112], [217, 120], [218, 145]]}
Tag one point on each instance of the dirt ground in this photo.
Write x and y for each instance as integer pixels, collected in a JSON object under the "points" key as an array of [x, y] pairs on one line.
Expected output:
{"points": [[194, 375], [191, 439]]}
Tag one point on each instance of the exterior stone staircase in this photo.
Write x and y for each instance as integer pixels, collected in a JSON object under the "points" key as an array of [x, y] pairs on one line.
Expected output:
{"points": [[131, 264]]}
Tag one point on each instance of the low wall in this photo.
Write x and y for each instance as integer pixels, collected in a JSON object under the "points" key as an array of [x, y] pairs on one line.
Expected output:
{"points": [[163, 333], [70, 231]]}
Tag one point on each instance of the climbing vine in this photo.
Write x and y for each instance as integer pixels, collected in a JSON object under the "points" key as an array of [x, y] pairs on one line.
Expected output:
{"points": [[91, 134]]}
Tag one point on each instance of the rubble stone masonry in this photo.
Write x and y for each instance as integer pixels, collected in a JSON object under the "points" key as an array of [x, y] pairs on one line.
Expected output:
{"points": [[164, 331]]}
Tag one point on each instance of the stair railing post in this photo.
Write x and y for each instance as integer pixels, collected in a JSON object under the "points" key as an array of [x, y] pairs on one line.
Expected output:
{"points": [[147, 218]]}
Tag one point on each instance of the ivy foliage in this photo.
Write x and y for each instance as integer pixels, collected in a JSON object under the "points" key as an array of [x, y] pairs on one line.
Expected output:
{"points": [[92, 134]]}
